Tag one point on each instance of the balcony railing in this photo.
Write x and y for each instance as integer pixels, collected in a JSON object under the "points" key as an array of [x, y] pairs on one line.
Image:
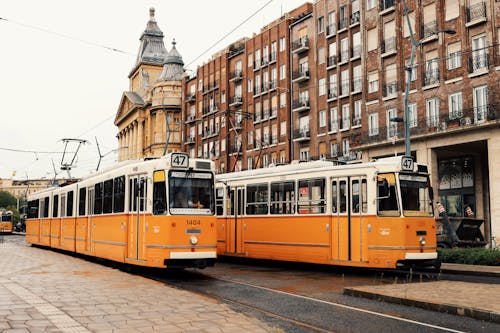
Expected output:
{"points": [[428, 29], [301, 104], [343, 22], [331, 30], [431, 77], [390, 88], [356, 51], [388, 45], [189, 140], [236, 101], [302, 134], [331, 61], [191, 97], [344, 56], [300, 75], [190, 118], [235, 76], [357, 84], [478, 62], [386, 4], [476, 13], [332, 93], [355, 18], [300, 45], [333, 126], [210, 109]]}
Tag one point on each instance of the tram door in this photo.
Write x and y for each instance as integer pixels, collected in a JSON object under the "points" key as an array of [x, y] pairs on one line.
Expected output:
{"points": [[235, 226], [90, 212], [137, 218], [349, 204]]}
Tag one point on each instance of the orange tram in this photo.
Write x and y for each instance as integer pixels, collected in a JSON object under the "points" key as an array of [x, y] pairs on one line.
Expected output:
{"points": [[6, 221], [377, 214], [131, 214]]}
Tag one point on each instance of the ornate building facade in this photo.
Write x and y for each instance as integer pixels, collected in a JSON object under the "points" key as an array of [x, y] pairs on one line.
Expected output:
{"points": [[148, 116]]}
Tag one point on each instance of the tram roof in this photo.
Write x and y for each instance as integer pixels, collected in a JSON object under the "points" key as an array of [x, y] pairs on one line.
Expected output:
{"points": [[385, 164]]}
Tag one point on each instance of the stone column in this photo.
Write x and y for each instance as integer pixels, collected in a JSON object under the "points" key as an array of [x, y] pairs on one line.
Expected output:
{"points": [[140, 148], [494, 186]]}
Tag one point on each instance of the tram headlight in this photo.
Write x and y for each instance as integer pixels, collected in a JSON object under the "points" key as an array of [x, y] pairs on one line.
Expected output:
{"points": [[193, 240], [422, 241]]}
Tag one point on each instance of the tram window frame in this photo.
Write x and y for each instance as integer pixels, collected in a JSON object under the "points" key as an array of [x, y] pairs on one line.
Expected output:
{"points": [[260, 194], [63, 205], [98, 198], [33, 209], [219, 201], [311, 205], [82, 200], [389, 198], [55, 206], [107, 198], [119, 194], [159, 193], [364, 195], [46, 207], [69, 204], [343, 196], [284, 203], [335, 196]]}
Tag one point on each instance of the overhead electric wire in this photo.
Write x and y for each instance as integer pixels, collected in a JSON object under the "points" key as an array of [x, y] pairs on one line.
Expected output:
{"points": [[66, 36], [230, 32]]}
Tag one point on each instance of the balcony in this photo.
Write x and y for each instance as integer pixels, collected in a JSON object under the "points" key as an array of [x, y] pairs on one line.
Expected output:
{"points": [[386, 6], [302, 134], [189, 140], [331, 62], [431, 77], [356, 122], [236, 101], [356, 52], [331, 30], [190, 119], [357, 84], [343, 22], [300, 45], [388, 47], [428, 32], [237, 124], [332, 94], [211, 87], [236, 76], [300, 75], [191, 97], [476, 14], [478, 63], [273, 57], [208, 110], [333, 126], [355, 18], [300, 105], [345, 123], [390, 89], [344, 56], [235, 149], [274, 113]]}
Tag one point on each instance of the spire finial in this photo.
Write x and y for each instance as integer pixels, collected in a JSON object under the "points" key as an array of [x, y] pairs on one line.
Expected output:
{"points": [[173, 43], [152, 13]]}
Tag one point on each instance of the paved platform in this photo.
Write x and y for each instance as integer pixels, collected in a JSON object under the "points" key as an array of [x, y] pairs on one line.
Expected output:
{"points": [[45, 291], [476, 300]]}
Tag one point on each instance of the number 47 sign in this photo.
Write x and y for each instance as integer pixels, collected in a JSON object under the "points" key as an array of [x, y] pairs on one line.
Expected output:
{"points": [[180, 160], [407, 163]]}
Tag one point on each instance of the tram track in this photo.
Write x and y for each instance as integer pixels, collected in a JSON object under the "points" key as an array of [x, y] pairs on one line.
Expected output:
{"points": [[294, 312]]}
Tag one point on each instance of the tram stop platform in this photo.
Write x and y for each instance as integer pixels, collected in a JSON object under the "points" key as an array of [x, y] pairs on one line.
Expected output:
{"points": [[476, 300], [45, 291]]}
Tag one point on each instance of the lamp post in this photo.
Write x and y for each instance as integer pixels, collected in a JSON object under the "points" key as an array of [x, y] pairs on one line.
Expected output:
{"points": [[409, 69]]}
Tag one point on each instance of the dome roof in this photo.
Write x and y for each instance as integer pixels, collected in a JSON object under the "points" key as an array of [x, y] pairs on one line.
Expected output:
{"points": [[173, 68]]}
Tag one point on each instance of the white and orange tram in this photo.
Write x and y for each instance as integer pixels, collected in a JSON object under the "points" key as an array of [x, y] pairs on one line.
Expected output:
{"points": [[6, 221], [152, 212], [377, 214]]}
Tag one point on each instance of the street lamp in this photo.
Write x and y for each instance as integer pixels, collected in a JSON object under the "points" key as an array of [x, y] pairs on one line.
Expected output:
{"points": [[409, 68]]}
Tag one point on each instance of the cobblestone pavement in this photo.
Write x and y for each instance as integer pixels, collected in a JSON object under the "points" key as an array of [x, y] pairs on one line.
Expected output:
{"points": [[45, 291]]}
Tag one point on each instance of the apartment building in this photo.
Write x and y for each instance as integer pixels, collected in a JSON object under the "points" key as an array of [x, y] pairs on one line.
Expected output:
{"points": [[350, 62], [237, 106]]}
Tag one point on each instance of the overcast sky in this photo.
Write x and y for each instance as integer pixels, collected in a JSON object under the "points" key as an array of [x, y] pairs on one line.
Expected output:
{"points": [[60, 79]]}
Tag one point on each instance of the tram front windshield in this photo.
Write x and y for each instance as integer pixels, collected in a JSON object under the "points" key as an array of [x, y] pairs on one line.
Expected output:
{"points": [[191, 192], [6, 218], [415, 195]]}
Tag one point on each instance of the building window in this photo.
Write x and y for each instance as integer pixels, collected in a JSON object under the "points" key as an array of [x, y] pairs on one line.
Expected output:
{"points": [[304, 154], [455, 105], [370, 4], [356, 121], [250, 163], [250, 85], [334, 149], [321, 24], [412, 110], [373, 124], [432, 105], [322, 87], [480, 101], [346, 149], [392, 128], [282, 100], [282, 72], [479, 55], [282, 44], [322, 118], [373, 82], [346, 117], [454, 56], [283, 128], [456, 186], [334, 125]]}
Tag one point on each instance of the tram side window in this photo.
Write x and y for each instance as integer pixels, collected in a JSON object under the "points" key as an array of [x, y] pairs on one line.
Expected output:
{"points": [[107, 202], [69, 204], [45, 211], [98, 196], [335, 196], [33, 209], [119, 194], [55, 205], [257, 199], [312, 196], [283, 198], [63, 205], [219, 201], [159, 193], [386, 195], [81, 201], [343, 196]]}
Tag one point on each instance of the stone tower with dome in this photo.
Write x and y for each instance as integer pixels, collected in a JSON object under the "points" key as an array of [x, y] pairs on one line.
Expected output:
{"points": [[149, 113]]}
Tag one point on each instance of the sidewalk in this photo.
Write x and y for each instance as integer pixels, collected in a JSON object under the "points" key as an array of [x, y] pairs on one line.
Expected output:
{"points": [[476, 300], [45, 291]]}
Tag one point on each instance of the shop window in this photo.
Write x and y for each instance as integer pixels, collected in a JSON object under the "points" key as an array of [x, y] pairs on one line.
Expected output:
{"points": [[456, 186]]}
